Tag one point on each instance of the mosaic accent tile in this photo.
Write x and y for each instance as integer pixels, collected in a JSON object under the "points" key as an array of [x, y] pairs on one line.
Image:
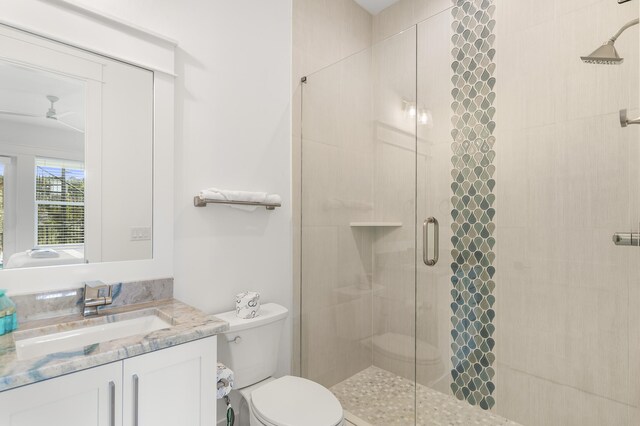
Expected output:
{"points": [[377, 397], [473, 201]]}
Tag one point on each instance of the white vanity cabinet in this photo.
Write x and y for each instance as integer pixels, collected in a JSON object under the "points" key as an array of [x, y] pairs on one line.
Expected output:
{"points": [[173, 386], [85, 398]]}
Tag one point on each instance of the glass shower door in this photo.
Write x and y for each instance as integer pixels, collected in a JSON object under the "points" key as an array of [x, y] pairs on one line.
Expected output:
{"points": [[455, 208], [358, 231], [433, 290]]}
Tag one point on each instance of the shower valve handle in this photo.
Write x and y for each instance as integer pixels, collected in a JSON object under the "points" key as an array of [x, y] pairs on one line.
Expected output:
{"points": [[624, 119]]}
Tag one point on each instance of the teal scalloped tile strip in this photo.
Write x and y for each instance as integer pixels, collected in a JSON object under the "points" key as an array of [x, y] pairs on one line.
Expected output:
{"points": [[473, 201]]}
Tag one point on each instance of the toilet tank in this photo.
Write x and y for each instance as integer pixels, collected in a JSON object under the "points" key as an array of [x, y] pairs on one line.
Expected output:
{"points": [[250, 346]]}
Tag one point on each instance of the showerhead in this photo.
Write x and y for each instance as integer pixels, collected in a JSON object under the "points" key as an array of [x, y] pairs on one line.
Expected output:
{"points": [[604, 55], [607, 53]]}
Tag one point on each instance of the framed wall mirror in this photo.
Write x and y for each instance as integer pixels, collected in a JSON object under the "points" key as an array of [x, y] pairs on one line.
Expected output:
{"points": [[76, 155]]}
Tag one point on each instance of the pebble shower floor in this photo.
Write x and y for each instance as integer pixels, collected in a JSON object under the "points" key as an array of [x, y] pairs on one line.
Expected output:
{"points": [[378, 397]]}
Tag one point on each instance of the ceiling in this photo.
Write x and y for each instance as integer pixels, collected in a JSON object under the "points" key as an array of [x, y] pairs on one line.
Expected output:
{"points": [[24, 90], [375, 6]]}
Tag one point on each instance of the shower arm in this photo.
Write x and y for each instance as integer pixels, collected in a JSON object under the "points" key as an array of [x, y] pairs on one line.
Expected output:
{"points": [[624, 119], [623, 29]]}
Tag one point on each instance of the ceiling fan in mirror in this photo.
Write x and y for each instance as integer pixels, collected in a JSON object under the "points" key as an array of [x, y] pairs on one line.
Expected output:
{"points": [[51, 114]]}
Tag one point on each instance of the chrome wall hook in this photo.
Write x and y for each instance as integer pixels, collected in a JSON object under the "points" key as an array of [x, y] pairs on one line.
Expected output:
{"points": [[624, 119]]}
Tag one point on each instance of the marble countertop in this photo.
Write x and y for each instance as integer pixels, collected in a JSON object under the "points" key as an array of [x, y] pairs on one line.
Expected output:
{"points": [[188, 324]]}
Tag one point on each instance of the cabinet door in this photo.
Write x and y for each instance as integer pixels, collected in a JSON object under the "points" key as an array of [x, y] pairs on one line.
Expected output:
{"points": [[87, 398], [174, 386]]}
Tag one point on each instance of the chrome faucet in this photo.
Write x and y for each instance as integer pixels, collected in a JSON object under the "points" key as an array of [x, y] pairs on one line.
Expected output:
{"points": [[92, 298]]}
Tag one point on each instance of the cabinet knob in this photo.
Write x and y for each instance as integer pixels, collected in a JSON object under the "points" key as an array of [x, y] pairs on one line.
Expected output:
{"points": [[237, 339]]}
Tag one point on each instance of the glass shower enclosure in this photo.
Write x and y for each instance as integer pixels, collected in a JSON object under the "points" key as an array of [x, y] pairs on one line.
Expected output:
{"points": [[359, 225], [458, 201]]}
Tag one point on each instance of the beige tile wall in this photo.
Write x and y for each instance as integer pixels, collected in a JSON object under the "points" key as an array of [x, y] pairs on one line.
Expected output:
{"points": [[337, 316], [567, 178], [404, 14], [337, 262]]}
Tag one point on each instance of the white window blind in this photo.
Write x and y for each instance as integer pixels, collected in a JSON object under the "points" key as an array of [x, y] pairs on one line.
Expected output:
{"points": [[59, 202]]}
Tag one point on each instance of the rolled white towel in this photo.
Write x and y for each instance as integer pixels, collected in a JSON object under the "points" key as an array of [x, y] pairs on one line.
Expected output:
{"points": [[205, 194], [37, 253], [232, 195], [273, 199]]}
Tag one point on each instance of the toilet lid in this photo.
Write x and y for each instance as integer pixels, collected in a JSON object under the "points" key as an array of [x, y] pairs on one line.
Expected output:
{"points": [[294, 401]]}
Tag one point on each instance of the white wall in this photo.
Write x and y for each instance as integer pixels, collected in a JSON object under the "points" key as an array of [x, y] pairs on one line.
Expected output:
{"points": [[232, 130]]}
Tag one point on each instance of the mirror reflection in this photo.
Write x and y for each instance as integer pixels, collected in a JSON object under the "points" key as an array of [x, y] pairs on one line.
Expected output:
{"points": [[76, 155], [42, 171]]}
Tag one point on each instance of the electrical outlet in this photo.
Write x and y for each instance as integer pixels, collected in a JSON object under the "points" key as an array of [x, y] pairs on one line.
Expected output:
{"points": [[140, 233]]}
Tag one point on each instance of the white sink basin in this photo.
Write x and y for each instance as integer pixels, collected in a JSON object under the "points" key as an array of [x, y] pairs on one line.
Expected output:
{"points": [[76, 339]]}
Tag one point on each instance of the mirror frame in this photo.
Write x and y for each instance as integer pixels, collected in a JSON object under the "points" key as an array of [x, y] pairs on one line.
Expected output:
{"points": [[60, 21]]}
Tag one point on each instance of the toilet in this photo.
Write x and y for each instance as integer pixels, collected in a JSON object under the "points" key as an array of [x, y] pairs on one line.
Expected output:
{"points": [[250, 349]]}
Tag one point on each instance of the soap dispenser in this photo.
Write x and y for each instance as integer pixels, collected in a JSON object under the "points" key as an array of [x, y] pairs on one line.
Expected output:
{"points": [[8, 316]]}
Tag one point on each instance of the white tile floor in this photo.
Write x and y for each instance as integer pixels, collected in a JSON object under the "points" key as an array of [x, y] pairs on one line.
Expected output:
{"points": [[376, 397]]}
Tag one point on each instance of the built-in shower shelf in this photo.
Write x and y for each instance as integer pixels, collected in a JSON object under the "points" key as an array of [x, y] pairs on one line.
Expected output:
{"points": [[375, 224]]}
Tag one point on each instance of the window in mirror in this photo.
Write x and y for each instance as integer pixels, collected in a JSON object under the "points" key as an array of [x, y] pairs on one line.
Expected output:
{"points": [[59, 203]]}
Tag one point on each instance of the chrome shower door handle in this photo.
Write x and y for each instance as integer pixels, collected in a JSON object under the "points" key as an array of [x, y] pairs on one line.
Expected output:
{"points": [[425, 241]]}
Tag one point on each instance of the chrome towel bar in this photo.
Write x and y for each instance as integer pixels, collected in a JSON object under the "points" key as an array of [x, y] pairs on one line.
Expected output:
{"points": [[200, 202]]}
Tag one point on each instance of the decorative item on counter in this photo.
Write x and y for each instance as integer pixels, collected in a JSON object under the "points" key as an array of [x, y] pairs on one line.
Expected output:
{"points": [[8, 316], [225, 380], [247, 304]]}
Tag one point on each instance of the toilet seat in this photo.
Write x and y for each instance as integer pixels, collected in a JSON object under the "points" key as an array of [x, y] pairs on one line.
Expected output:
{"points": [[294, 401]]}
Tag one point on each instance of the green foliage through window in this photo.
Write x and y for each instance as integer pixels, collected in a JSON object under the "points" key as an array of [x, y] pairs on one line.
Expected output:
{"points": [[60, 202]]}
